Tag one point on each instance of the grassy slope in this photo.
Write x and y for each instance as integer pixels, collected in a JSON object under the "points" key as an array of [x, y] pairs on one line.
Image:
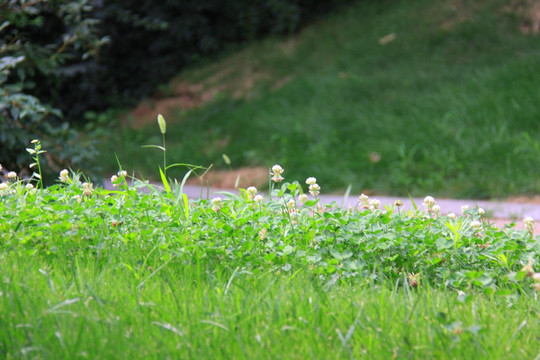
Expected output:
{"points": [[451, 105]]}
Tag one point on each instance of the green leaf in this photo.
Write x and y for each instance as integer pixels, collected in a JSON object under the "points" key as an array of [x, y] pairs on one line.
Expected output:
{"points": [[341, 256], [154, 146], [287, 250], [164, 180], [186, 205]]}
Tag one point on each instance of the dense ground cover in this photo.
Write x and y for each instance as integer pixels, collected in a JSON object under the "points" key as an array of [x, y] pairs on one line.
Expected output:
{"points": [[395, 97], [95, 273]]}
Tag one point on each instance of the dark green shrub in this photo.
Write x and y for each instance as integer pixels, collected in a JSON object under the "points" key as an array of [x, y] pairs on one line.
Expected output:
{"points": [[41, 44]]}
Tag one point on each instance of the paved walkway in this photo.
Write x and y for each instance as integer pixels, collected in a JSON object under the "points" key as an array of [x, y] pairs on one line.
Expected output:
{"points": [[500, 212]]}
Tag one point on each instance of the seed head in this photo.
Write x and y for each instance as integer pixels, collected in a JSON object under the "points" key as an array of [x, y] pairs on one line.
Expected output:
{"points": [[162, 124]]}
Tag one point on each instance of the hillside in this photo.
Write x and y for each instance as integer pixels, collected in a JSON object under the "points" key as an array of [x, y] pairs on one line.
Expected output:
{"points": [[390, 97]]}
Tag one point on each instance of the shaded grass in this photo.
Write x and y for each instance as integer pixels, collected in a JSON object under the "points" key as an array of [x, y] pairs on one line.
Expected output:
{"points": [[450, 107], [78, 306]]}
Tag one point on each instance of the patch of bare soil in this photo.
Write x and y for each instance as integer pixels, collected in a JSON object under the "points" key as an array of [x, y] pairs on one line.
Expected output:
{"points": [[529, 13], [237, 80], [535, 199], [229, 179], [186, 97]]}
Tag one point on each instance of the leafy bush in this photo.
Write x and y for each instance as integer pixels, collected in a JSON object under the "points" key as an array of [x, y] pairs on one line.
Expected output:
{"points": [[41, 44]]}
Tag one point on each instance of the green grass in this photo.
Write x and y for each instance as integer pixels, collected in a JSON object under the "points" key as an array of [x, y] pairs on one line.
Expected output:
{"points": [[74, 307], [450, 106], [113, 274]]}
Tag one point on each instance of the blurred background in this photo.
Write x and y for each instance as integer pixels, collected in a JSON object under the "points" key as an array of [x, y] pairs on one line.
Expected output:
{"points": [[390, 97]]}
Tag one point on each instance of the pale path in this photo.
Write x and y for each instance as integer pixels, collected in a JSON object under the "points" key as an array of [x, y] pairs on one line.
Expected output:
{"points": [[500, 212]]}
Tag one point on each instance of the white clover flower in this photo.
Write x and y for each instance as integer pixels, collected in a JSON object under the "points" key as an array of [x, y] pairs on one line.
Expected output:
{"points": [[291, 203], [375, 204], [311, 180], [436, 209], [529, 223], [64, 176], [252, 191], [122, 173], [363, 199], [536, 277], [12, 175], [88, 188], [217, 202], [481, 211], [476, 225], [314, 189], [276, 173], [464, 208], [303, 198], [258, 198], [451, 215], [398, 203], [429, 202], [114, 179], [30, 188], [3, 186]]}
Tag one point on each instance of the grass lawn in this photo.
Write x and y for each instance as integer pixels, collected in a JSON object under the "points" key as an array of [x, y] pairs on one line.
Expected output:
{"points": [[448, 105]]}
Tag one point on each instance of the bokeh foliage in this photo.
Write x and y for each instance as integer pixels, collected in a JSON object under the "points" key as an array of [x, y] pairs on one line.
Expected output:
{"points": [[41, 45], [59, 60]]}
